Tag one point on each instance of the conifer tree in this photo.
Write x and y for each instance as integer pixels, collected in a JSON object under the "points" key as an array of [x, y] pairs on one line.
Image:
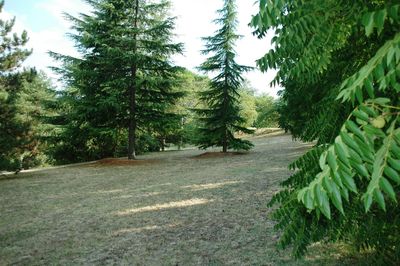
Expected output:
{"points": [[125, 78], [12, 51], [221, 119], [25, 99]]}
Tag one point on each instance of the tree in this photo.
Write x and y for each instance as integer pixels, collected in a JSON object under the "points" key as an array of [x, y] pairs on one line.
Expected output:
{"points": [[26, 100], [267, 115], [125, 78], [247, 104], [221, 119], [341, 79], [12, 51]]}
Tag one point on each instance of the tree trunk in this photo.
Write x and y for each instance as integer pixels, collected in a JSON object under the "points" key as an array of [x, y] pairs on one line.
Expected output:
{"points": [[225, 139], [132, 95], [162, 144], [225, 142]]}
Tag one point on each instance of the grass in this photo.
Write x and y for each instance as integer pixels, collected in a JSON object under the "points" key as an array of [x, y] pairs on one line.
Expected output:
{"points": [[170, 208]]}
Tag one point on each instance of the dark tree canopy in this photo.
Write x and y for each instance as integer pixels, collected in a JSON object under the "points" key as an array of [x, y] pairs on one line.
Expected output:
{"points": [[125, 79], [26, 101]]}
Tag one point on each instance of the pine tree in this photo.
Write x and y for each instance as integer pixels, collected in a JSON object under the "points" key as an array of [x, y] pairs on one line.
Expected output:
{"points": [[12, 53], [25, 102], [125, 78], [222, 117]]}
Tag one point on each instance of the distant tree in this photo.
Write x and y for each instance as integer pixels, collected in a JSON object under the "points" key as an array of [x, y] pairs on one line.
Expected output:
{"points": [[221, 117], [247, 105], [125, 78], [267, 111]]}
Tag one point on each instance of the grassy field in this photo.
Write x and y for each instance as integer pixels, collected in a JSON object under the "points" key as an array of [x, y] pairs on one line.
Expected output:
{"points": [[171, 208]]}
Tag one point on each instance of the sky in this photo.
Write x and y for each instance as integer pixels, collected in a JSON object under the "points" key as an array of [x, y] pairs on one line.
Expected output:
{"points": [[47, 30]]}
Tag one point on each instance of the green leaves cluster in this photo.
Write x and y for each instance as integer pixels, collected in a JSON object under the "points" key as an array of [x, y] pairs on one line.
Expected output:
{"points": [[363, 151], [341, 76]]}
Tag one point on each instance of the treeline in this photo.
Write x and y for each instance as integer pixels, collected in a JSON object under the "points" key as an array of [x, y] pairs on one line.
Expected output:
{"points": [[123, 96]]}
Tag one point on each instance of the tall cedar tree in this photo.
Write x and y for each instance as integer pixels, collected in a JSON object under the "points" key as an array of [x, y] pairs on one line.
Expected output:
{"points": [[221, 119], [125, 78]]}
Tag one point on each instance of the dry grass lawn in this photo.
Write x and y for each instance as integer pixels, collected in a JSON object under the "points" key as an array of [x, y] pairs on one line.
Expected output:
{"points": [[171, 208]]}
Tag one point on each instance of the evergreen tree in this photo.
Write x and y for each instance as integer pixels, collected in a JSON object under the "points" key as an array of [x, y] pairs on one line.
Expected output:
{"points": [[26, 102], [12, 51], [125, 77], [221, 119]]}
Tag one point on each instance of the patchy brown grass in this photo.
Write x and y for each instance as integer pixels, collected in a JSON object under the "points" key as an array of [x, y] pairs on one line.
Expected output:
{"points": [[165, 209]]}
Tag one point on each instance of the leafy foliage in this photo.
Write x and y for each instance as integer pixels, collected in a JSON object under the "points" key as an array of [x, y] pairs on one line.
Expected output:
{"points": [[221, 119], [348, 60]]}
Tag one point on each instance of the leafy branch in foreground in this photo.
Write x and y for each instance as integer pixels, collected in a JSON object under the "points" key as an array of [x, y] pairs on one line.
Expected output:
{"points": [[341, 77]]}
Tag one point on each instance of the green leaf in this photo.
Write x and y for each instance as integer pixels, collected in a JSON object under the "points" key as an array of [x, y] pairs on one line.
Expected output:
{"points": [[367, 202], [336, 198], [395, 164], [345, 193], [308, 201], [387, 188], [368, 110], [349, 182], [360, 168], [327, 183], [381, 101], [332, 160], [379, 18], [378, 196], [341, 153], [372, 130], [368, 22], [322, 160], [323, 201], [351, 126], [392, 174], [361, 115], [359, 95], [348, 140], [337, 178], [370, 88]]}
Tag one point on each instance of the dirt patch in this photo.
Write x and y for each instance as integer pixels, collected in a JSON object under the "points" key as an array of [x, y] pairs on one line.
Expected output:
{"points": [[120, 162], [218, 154]]}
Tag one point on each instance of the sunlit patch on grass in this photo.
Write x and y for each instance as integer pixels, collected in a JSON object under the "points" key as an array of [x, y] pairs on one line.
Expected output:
{"points": [[143, 229], [211, 185], [169, 205], [108, 191], [150, 194]]}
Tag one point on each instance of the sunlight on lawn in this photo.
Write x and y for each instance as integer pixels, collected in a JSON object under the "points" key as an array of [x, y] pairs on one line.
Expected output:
{"points": [[108, 191], [170, 205], [143, 229], [211, 185]]}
